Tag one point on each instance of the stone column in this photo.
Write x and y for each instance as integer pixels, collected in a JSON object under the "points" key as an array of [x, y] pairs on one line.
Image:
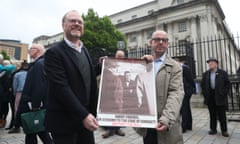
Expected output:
{"points": [[170, 31], [193, 24], [204, 25], [204, 34], [140, 39], [196, 50]]}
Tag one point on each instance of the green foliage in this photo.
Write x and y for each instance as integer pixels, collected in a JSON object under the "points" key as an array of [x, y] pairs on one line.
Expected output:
{"points": [[100, 35], [5, 56]]}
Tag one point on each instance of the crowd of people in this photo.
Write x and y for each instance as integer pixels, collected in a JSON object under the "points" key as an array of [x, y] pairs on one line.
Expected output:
{"points": [[63, 81], [24, 86], [6, 95]]}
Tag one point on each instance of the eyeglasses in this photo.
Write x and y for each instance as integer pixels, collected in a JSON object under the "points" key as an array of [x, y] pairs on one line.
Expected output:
{"points": [[31, 49], [164, 40], [73, 21]]}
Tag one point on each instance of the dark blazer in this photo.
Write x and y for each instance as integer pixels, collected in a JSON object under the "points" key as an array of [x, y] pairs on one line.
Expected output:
{"points": [[67, 101], [222, 86], [238, 73], [35, 88], [188, 82], [36, 85]]}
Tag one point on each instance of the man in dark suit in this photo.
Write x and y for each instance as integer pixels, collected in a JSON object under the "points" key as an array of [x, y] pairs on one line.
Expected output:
{"points": [[34, 94], [215, 86], [72, 98], [189, 88]]}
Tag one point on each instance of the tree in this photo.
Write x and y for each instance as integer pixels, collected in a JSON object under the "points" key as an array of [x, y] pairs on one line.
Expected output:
{"points": [[5, 56], [100, 35]]}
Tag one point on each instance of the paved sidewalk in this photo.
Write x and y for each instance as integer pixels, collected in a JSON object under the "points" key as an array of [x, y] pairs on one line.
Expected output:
{"points": [[199, 134]]}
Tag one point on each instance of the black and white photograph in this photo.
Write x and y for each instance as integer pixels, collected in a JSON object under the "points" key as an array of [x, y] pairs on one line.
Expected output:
{"points": [[127, 94]]}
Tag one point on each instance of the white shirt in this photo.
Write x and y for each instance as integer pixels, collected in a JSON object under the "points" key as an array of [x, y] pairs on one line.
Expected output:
{"points": [[74, 46], [212, 79], [158, 63]]}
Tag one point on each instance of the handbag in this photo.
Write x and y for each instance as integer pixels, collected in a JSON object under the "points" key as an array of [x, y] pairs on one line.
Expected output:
{"points": [[33, 122]]}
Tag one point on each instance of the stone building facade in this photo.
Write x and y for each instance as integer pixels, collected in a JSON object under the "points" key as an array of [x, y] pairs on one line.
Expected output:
{"points": [[187, 23], [14, 49]]}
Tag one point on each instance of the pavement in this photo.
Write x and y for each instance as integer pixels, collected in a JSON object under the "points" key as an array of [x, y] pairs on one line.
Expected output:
{"points": [[199, 134]]}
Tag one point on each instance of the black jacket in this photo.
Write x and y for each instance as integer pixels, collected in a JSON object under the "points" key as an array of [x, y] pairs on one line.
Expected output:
{"points": [[238, 73], [35, 88], [36, 85], [67, 101], [188, 81], [222, 86]]}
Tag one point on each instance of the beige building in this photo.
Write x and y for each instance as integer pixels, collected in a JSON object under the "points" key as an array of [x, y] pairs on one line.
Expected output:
{"points": [[14, 49], [182, 19]]}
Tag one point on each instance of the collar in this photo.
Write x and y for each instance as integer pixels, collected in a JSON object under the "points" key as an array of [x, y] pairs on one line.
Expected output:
{"points": [[72, 45], [214, 71], [162, 58]]}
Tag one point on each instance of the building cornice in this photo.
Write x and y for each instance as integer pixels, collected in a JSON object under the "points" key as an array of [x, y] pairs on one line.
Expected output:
{"points": [[45, 37], [9, 45], [136, 7], [140, 19], [171, 9]]}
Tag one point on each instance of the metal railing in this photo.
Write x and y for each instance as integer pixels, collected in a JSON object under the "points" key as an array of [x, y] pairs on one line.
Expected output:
{"points": [[196, 52]]}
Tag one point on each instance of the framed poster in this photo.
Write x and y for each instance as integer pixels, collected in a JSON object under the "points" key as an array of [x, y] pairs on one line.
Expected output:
{"points": [[127, 94]]}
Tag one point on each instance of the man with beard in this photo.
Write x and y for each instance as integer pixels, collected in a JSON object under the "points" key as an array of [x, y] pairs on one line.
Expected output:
{"points": [[72, 98]]}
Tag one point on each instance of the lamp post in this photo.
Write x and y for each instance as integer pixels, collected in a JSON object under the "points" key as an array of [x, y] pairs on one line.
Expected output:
{"points": [[120, 45]]}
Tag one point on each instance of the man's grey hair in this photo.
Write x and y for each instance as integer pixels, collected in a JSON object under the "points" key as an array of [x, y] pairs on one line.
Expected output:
{"points": [[65, 15]]}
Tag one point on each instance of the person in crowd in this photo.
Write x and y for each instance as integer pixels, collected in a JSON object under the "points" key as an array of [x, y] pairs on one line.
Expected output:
{"points": [[5, 75], [189, 88], [120, 54], [72, 98], [11, 95], [110, 131], [215, 86], [238, 73], [1, 61], [2, 122], [18, 81], [34, 93], [169, 94]]}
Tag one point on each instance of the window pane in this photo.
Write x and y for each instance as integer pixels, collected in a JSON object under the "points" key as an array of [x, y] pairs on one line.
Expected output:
{"points": [[119, 21], [182, 27], [133, 38], [180, 1], [134, 16]]}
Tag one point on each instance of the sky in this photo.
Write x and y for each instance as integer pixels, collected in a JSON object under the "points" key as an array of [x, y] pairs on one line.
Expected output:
{"points": [[25, 20]]}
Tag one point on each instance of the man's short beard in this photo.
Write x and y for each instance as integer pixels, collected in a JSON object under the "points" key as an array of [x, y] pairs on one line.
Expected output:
{"points": [[76, 35]]}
